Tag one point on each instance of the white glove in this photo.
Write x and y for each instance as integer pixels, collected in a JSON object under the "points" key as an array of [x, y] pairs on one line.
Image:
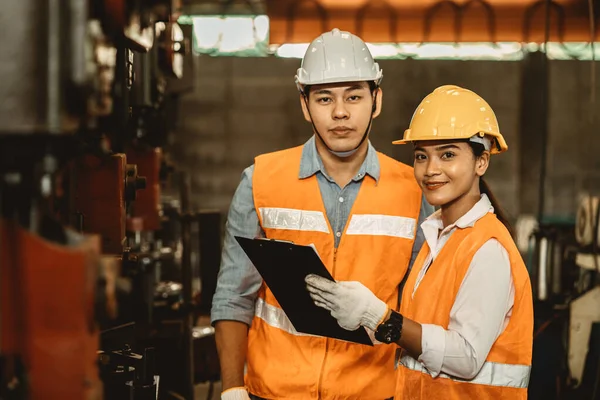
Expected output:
{"points": [[235, 393], [351, 303]]}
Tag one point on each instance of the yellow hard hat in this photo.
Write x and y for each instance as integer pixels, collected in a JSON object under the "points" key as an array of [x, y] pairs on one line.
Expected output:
{"points": [[451, 112]]}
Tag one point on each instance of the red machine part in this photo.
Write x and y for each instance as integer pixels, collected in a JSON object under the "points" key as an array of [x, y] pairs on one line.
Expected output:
{"points": [[100, 198], [146, 210], [115, 15], [47, 313]]}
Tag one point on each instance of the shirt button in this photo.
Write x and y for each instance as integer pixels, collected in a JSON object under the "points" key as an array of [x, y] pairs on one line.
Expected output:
{"points": [[338, 234], [341, 199]]}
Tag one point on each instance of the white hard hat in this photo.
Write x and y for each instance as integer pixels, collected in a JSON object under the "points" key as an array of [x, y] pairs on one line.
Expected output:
{"points": [[337, 56]]}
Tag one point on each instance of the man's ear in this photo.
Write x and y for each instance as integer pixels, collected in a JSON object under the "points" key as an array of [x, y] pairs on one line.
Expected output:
{"points": [[378, 95], [304, 104]]}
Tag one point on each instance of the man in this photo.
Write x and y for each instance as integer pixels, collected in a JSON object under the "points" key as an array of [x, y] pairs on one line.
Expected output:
{"points": [[360, 210]]}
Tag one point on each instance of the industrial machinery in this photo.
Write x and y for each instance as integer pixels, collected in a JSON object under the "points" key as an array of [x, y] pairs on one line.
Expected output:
{"points": [[100, 282], [564, 264], [584, 321]]}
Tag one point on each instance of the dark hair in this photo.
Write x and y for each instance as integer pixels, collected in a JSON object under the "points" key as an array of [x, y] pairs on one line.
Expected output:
{"points": [[372, 88], [478, 150]]}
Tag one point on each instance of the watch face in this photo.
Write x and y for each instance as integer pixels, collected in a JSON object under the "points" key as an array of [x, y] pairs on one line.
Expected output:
{"points": [[388, 333], [393, 334]]}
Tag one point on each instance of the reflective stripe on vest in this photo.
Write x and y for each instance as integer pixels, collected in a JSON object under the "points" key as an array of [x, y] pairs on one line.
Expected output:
{"points": [[382, 225], [360, 224], [275, 317], [292, 219], [492, 374]]}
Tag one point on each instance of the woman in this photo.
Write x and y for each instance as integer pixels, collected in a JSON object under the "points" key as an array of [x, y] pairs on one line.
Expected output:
{"points": [[465, 324]]}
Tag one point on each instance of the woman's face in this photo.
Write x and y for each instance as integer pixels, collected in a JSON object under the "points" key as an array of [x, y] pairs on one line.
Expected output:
{"points": [[448, 170]]}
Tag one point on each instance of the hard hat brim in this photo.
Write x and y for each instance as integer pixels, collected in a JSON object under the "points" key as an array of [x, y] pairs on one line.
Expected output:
{"points": [[341, 79], [499, 146]]}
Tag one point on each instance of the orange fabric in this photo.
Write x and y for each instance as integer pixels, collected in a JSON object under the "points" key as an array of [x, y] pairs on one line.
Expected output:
{"points": [[47, 317], [433, 302], [401, 21], [284, 365]]}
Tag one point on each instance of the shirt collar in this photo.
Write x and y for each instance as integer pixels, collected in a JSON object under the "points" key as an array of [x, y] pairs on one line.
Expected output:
{"points": [[478, 211], [311, 162]]}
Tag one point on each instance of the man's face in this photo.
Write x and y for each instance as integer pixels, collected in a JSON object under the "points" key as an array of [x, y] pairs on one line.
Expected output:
{"points": [[341, 112]]}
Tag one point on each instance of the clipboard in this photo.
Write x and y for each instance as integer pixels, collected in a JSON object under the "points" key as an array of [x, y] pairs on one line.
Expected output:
{"points": [[283, 266]]}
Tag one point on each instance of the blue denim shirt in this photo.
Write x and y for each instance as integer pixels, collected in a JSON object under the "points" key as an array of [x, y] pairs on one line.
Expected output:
{"points": [[239, 281]]}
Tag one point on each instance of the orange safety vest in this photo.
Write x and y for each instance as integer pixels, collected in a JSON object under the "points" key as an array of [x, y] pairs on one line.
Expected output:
{"points": [[375, 249], [505, 373]]}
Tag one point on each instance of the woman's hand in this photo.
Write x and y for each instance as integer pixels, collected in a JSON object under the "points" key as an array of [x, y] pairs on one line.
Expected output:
{"points": [[351, 303]]}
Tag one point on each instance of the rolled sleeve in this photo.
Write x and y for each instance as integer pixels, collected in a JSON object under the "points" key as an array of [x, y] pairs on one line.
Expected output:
{"points": [[238, 281], [433, 343]]}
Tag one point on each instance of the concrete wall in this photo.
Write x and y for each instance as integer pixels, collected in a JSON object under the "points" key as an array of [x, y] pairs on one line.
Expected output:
{"points": [[242, 107], [574, 140]]}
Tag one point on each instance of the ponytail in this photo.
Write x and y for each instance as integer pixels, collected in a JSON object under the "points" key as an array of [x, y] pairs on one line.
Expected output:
{"points": [[478, 150], [500, 214]]}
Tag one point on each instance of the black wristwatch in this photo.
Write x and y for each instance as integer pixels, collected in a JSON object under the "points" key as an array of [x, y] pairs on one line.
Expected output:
{"points": [[390, 331]]}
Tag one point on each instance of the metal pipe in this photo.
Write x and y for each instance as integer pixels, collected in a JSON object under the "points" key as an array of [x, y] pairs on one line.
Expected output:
{"points": [[391, 12], [490, 14], [186, 281], [53, 71], [593, 49], [543, 269], [1, 248], [544, 122], [433, 10], [291, 16], [556, 262], [78, 32]]}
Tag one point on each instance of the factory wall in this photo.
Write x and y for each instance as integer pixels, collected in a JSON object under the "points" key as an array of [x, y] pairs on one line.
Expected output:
{"points": [[242, 107]]}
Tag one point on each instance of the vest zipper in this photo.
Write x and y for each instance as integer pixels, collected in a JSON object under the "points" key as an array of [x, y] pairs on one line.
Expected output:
{"points": [[326, 339], [323, 367], [334, 258]]}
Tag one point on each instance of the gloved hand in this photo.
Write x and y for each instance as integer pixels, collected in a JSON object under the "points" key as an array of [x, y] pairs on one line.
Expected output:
{"points": [[351, 303], [235, 393]]}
